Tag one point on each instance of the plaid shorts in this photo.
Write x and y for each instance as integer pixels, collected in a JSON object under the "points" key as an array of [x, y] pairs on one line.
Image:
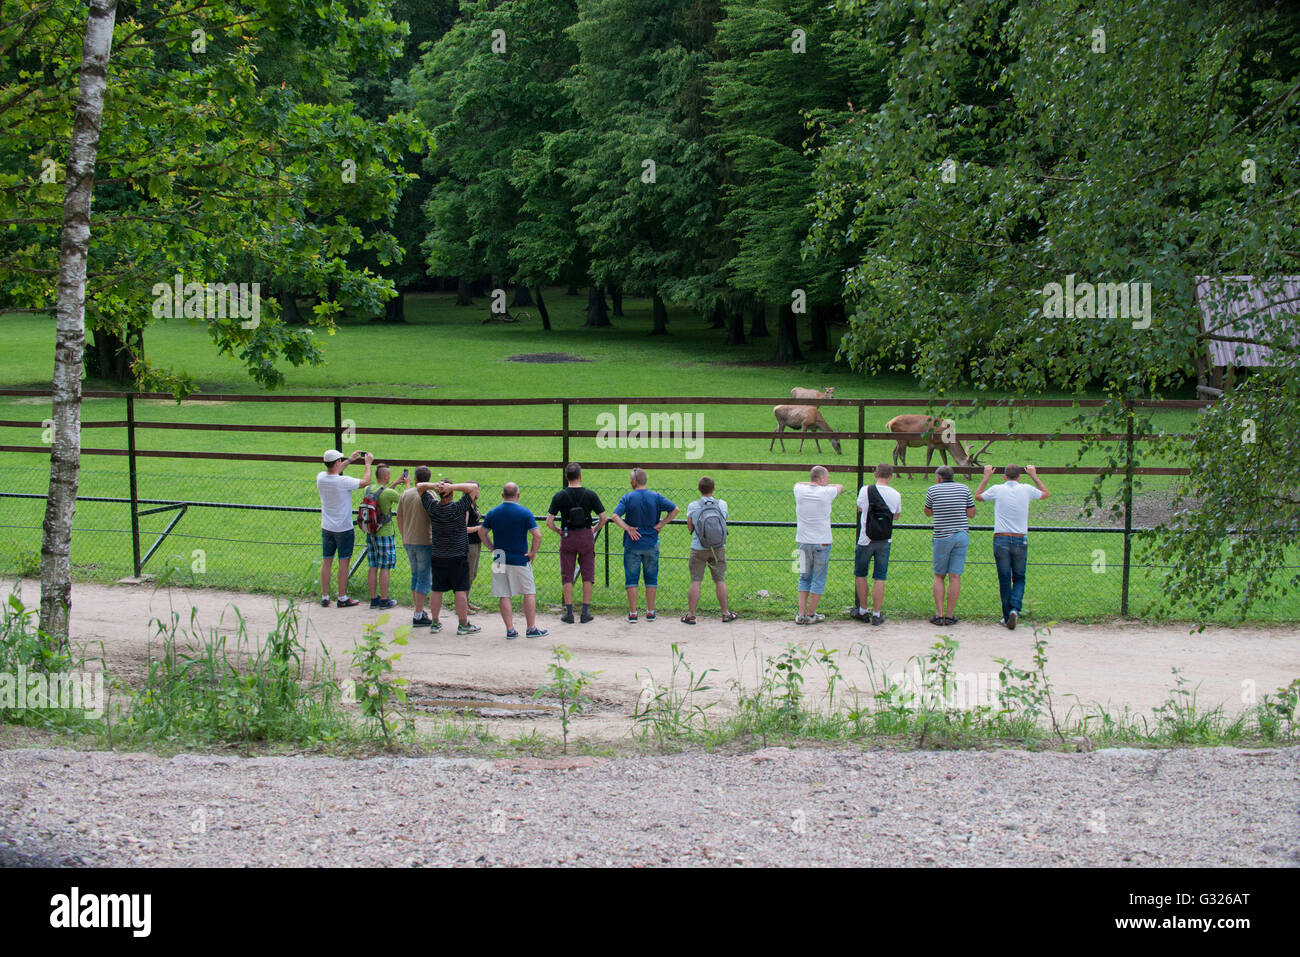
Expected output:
{"points": [[381, 551]]}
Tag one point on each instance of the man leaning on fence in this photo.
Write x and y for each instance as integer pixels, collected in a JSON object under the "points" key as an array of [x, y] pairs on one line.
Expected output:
{"points": [[338, 535], [952, 506], [812, 511], [1011, 533], [706, 520], [574, 506]]}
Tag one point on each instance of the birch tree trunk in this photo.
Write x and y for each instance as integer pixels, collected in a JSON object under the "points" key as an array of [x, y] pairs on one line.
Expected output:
{"points": [[70, 342]]}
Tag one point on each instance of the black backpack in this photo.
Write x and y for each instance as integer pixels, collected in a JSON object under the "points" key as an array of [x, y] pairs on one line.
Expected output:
{"points": [[575, 516], [880, 519]]}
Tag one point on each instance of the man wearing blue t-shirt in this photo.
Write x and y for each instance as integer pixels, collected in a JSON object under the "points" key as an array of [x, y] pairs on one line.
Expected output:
{"points": [[637, 513], [512, 526]]}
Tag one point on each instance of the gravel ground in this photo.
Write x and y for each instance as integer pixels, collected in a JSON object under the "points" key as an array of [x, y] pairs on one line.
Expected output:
{"points": [[1216, 806]]}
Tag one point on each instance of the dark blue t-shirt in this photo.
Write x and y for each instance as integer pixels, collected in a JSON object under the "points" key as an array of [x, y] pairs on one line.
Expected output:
{"points": [[641, 509], [509, 524]]}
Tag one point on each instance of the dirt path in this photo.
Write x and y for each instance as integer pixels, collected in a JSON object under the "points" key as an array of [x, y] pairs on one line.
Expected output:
{"points": [[1118, 665], [1202, 807]]}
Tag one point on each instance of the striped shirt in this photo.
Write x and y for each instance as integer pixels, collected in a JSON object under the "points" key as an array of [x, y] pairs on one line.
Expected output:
{"points": [[447, 525], [949, 501]]}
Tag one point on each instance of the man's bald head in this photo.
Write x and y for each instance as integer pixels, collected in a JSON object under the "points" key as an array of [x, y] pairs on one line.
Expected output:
{"points": [[510, 491]]}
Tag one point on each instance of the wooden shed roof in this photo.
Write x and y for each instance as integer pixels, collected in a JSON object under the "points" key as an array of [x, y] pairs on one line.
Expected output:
{"points": [[1240, 306]]}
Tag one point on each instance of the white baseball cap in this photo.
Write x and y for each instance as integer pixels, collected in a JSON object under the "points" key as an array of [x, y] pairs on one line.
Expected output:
{"points": [[333, 455]]}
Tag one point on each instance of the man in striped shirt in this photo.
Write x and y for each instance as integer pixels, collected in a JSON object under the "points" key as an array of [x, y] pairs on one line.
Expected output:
{"points": [[952, 506]]}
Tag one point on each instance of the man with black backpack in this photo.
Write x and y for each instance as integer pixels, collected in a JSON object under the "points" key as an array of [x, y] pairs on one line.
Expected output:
{"points": [[706, 520], [879, 505], [575, 506]]}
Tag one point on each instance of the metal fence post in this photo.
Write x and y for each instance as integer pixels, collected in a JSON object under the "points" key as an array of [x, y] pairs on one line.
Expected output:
{"points": [[606, 556], [1128, 506], [135, 498], [338, 423]]}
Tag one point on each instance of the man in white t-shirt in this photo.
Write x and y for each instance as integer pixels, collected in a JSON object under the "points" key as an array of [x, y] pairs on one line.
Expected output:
{"points": [[1011, 532], [336, 523], [812, 509], [878, 548]]}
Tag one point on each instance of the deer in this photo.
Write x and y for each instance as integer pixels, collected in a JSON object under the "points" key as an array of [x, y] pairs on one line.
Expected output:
{"points": [[939, 435], [805, 418], [797, 393]]}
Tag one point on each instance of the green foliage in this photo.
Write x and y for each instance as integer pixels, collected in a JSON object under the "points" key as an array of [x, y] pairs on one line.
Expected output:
{"points": [[206, 168], [26, 651], [1015, 147], [382, 696], [672, 712], [568, 686], [200, 688]]}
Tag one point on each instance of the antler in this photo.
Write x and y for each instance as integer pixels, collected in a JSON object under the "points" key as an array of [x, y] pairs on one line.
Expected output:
{"points": [[974, 459]]}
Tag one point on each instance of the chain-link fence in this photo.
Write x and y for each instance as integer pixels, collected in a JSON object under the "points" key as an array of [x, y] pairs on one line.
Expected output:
{"points": [[273, 545]]}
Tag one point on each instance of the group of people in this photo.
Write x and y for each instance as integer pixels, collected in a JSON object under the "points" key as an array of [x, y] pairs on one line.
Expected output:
{"points": [[443, 534], [951, 505]]}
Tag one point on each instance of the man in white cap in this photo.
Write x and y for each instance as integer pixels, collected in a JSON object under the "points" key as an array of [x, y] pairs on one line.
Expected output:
{"points": [[336, 522]]}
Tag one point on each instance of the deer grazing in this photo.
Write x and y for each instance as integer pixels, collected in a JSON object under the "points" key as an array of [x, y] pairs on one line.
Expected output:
{"points": [[806, 419], [937, 435], [797, 393]]}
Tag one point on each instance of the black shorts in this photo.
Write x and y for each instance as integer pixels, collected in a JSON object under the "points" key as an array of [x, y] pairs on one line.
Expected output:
{"points": [[451, 574]]}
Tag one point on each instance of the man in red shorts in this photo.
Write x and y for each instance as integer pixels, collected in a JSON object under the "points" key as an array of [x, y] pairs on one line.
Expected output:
{"points": [[574, 506]]}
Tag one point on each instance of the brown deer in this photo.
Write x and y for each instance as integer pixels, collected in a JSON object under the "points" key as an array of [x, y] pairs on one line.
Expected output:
{"points": [[937, 435], [807, 420], [797, 393]]}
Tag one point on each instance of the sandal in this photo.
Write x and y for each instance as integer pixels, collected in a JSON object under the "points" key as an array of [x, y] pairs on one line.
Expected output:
{"points": [[688, 619], [729, 616], [936, 620]]}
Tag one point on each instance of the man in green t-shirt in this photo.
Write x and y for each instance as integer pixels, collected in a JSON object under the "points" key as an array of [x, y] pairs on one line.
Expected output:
{"points": [[381, 547]]}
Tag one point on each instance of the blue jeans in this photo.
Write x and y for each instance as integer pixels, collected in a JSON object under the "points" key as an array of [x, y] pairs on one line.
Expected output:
{"points": [[1011, 556], [635, 561], [421, 559], [814, 561]]}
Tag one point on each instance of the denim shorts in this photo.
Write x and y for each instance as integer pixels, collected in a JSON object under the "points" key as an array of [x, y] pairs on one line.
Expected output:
{"points": [[637, 561], [950, 553], [421, 560], [814, 562], [862, 556], [342, 542]]}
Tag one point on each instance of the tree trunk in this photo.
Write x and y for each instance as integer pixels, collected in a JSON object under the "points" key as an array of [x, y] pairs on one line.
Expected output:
{"points": [[395, 308], [736, 329], [110, 354], [289, 308], [660, 313], [70, 325], [718, 320], [787, 336], [597, 312], [463, 295], [541, 308], [522, 296], [758, 321], [819, 318], [617, 296]]}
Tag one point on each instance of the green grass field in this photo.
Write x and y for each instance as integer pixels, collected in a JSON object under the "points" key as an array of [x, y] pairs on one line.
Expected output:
{"points": [[445, 352]]}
